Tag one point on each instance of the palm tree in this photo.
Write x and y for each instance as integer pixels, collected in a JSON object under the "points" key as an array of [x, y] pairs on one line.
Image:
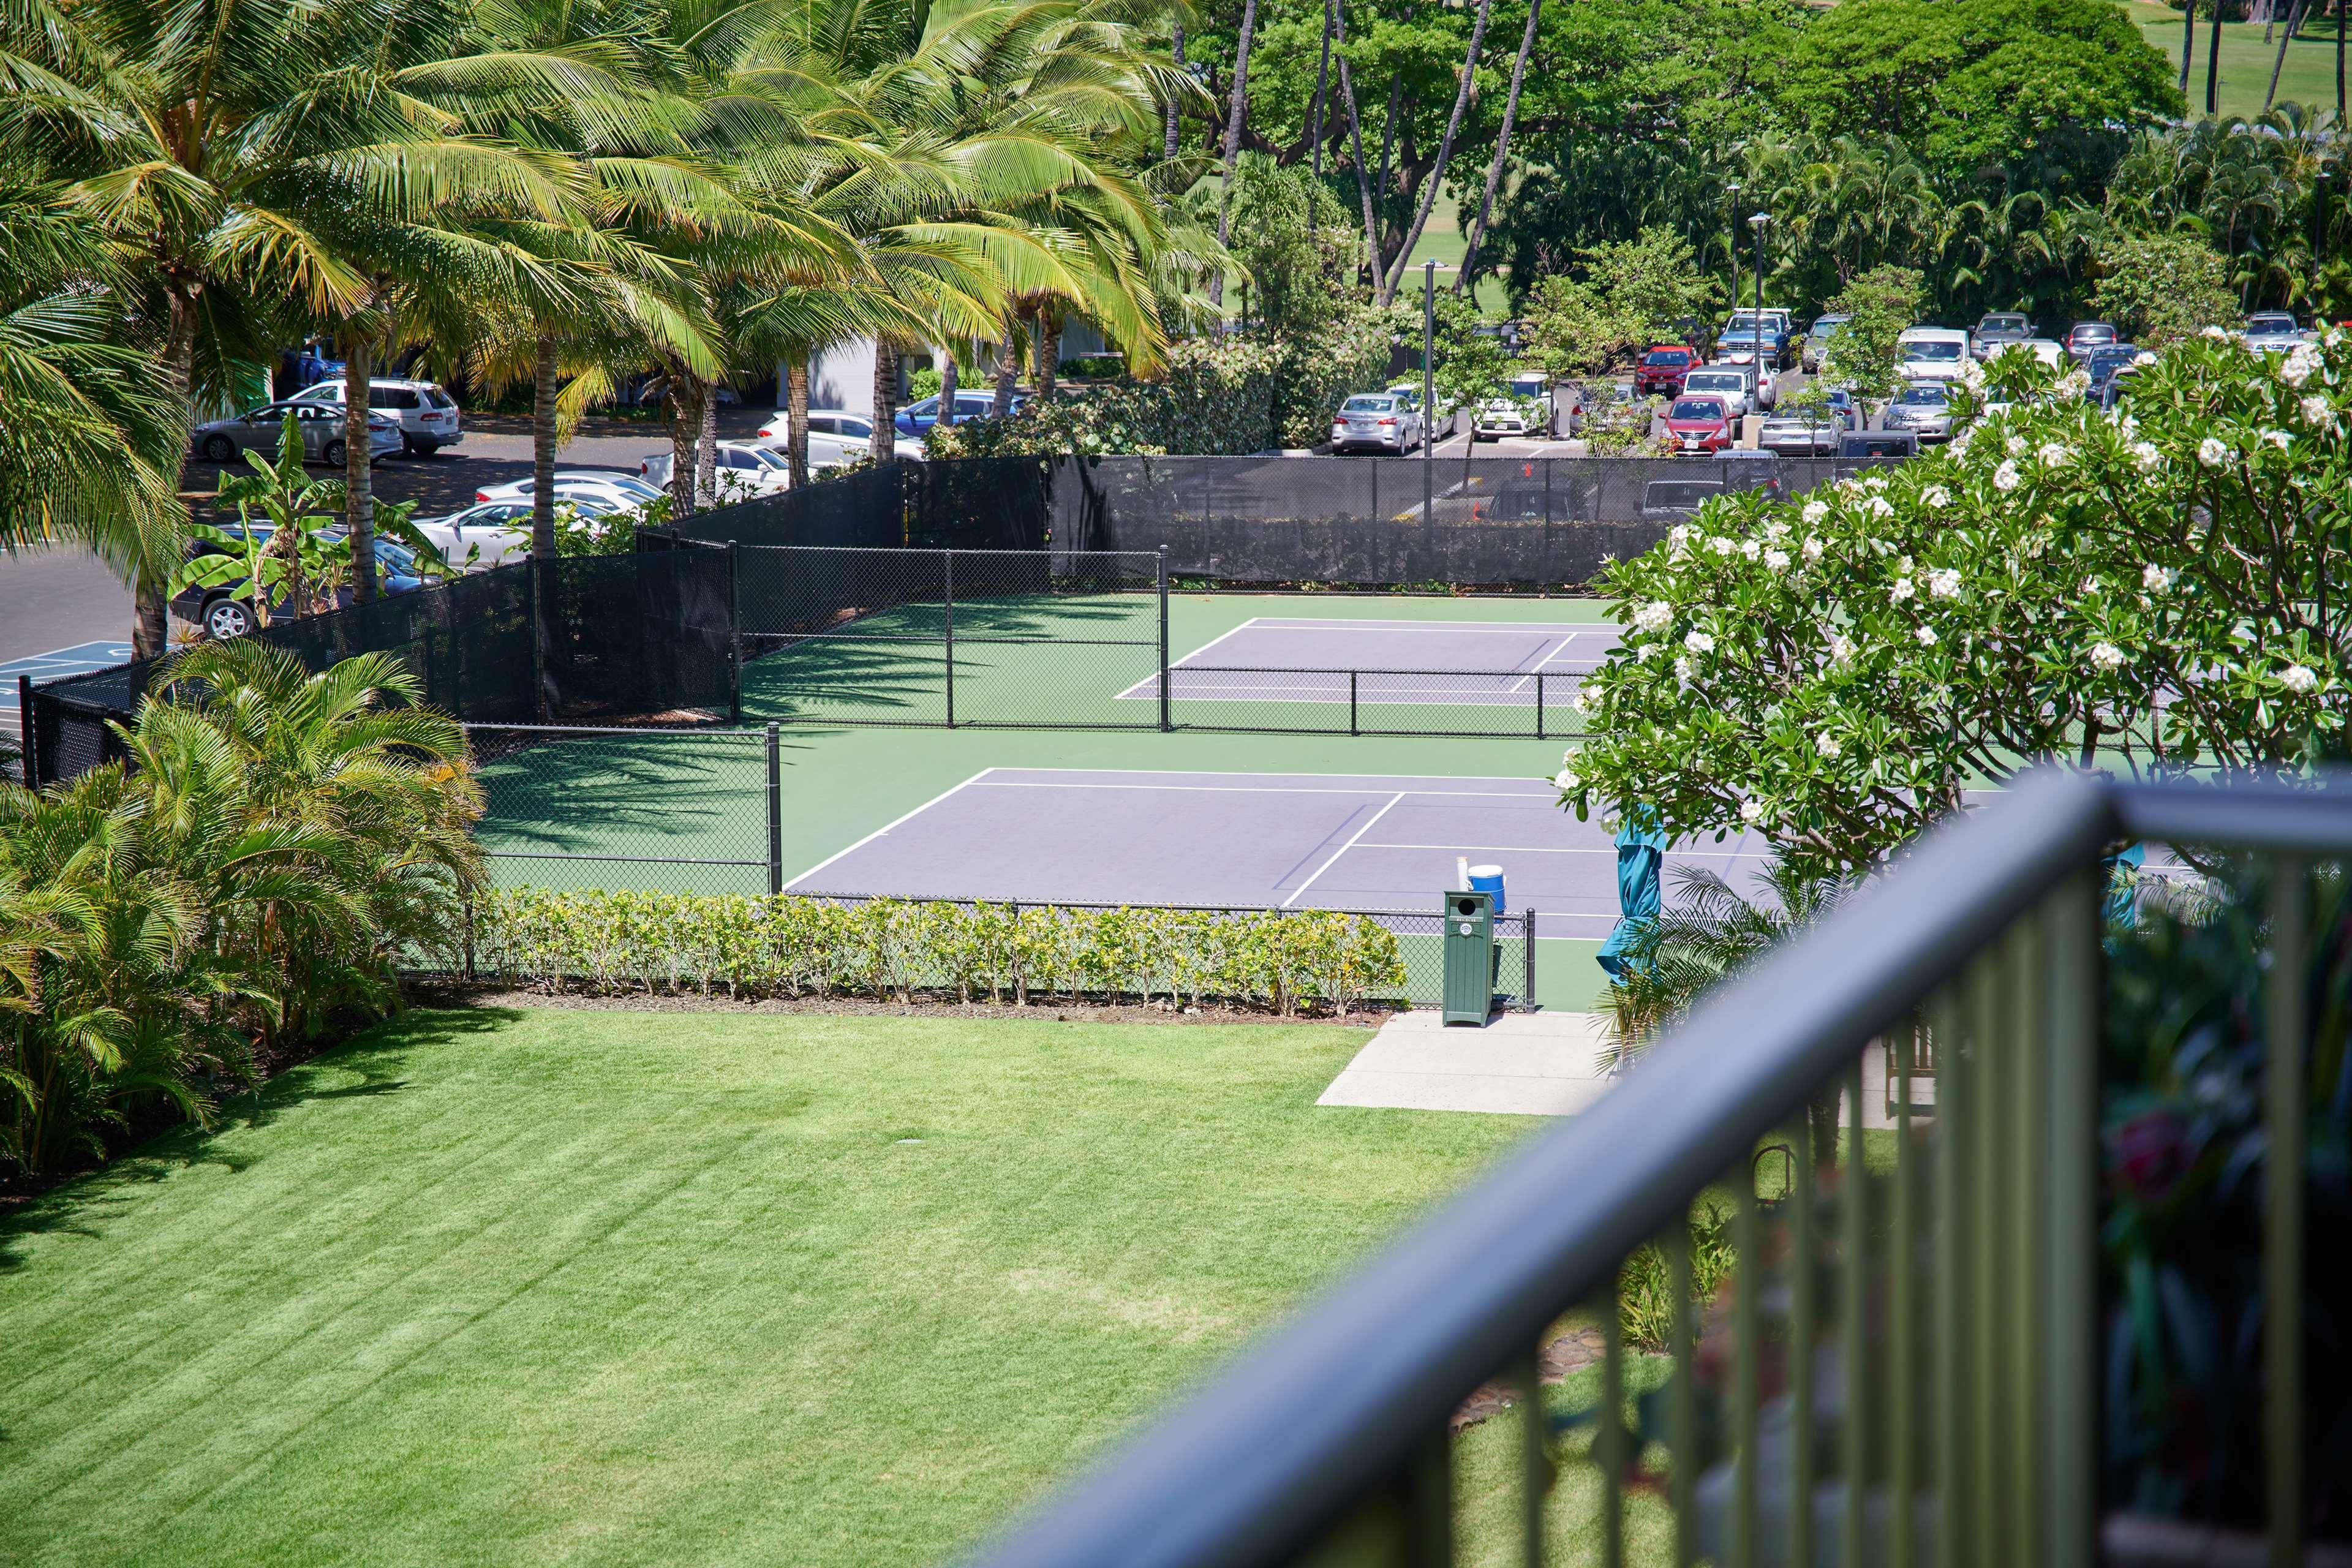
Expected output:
{"points": [[1501, 148], [1236, 111], [1395, 275]]}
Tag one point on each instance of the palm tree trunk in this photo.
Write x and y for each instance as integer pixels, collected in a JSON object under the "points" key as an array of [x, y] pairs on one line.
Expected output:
{"points": [[151, 596], [1008, 370], [1445, 155], [2278, 62], [886, 402], [796, 417], [1176, 45], [1236, 110], [1322, 85], [2213, 63], [1388, 146], [706, 449], [358, 494], [543, 448], [2188, 40], [948, 383], [1356, 147], [1502, 145], [684, 410], [1049, 350]]}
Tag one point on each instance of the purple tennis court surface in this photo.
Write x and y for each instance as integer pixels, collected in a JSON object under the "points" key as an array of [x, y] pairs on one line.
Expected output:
{"points": [[1249, 840], [1276, 659]]}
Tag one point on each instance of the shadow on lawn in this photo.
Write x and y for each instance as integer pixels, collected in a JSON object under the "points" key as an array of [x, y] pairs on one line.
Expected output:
{"points": [[79, 1205]]}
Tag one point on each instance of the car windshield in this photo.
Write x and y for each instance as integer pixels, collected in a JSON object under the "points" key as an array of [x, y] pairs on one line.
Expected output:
{"points": [[1696, 408], [1713, 380], [1929, 397], [1932, 351], [1367, 406], [634, 487], [1527, 386], [2094, 334], [2271, 324], [1668, 357], [2001, 324], [1826, 325]]}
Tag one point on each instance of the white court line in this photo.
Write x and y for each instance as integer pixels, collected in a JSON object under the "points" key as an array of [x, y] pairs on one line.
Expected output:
{"points": [[1343, 849], [1539, 849], [1535, 786], [1153, 679], [1521, 684], [1516, 629], [1233, 789], [885, 827]]}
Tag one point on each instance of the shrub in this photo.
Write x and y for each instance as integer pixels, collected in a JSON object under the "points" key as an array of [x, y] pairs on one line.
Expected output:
{"points": [[786, 946]]}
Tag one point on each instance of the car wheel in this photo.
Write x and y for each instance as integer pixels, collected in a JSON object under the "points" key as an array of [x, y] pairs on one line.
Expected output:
{"points": [[420, 445], [219, 449], [226, 618], [334, 453]]}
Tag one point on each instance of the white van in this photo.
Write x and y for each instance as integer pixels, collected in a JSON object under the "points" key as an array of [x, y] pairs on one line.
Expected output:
{"points": [[1931, 353], [429, 418]]}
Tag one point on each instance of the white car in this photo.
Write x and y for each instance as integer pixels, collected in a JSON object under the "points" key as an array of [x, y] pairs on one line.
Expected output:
{"points": [[741, 469], [1768, 383], [2048, 350], [619, 492], [1735, 384], [1931, 353], [1518, 417], [429, 417], [491, 534]]}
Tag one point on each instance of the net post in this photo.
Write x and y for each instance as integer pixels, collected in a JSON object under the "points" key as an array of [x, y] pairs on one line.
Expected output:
{"points": [[1165, 725], [734, 632], [775, 810], [26, 728], [1527, 960], [1351, 702], [946, 558]]}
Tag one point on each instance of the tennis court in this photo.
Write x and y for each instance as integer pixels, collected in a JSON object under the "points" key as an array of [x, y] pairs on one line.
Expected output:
{"points": [[1246, 840], [1275, 658]]}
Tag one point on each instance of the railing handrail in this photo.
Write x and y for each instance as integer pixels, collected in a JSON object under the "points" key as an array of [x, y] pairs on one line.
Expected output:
{"points": [[1330, 1404]]}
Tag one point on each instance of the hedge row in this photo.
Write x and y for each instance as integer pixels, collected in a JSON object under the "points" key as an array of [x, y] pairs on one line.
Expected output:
{"points": [[890, 947]]}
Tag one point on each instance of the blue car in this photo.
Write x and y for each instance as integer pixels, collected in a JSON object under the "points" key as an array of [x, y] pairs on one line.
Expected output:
{"points": [[916, 418]]}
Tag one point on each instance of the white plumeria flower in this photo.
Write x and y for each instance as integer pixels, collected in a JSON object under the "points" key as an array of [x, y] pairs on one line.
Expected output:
{"points": [[1841, 647], [2298, 677], [2299, 364], [2014, 446], [1567, 782], [2146, 456], [2219, 334], [1815, 511], [1879, 506], [1654, 616], [2054, 456], [2004, 478], [2212, 452], [1944, 583], [1901, 590], [1750, 549], [1827, 746], [1721, 546], [2106, 656], [1926, 635], [1581, 701], [1682, 670], [2278, 439], [1699, 642], [2156, 579], [2090, 586], [1936, 498], [1813, 550], [2315, 411], [1778, 559], [1775, 531], [1874, 483], [1960, 442], [1750, 810]]}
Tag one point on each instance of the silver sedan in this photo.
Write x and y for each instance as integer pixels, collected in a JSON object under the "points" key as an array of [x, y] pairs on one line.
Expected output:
{"points": [[321, 425]]}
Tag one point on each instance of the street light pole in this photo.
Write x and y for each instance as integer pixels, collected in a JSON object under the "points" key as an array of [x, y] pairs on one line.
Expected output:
{"points": [[1759, 222], [1428, 389]]}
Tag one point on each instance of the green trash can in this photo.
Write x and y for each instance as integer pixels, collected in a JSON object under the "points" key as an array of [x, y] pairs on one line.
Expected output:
{"points": [[1472, 960]]}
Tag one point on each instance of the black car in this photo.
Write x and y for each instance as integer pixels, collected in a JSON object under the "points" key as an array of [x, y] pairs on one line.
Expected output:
{"points": [[2103, 364]]}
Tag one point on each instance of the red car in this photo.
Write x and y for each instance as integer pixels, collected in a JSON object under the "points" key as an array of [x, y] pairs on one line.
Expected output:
{"points": [[1701, 423], [1663, 369]]}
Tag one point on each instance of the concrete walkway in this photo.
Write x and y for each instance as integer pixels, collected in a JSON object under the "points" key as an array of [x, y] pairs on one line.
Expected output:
{"points": [[1523, 1064]]}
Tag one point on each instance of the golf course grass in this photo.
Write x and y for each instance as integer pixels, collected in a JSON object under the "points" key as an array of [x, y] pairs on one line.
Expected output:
{"points": [[552, 1286]]}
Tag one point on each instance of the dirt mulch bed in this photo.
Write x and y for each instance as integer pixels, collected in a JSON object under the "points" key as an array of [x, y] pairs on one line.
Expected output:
{"points": [[443, 993], [1572, 1351]]}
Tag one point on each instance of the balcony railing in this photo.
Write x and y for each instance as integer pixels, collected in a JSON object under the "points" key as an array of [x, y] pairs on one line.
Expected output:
{"points": [[1903, 1363]]}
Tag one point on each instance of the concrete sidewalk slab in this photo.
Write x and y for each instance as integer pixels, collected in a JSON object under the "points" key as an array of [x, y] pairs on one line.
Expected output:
{"points": [[1520, 1064]]}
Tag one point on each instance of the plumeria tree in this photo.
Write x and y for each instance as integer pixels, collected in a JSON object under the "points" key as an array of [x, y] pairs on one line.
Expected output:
{"points": [[2154, 587]]}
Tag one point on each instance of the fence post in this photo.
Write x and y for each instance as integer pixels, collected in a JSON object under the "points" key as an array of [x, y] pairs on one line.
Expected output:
{"points": [[1539, 705], [28, 731], [734, 632], [1164, 716], [1351, 702], [949, 556], [775, 811], [1527, 960]]}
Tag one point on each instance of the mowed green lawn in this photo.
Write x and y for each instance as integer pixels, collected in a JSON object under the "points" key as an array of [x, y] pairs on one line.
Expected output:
{"points": [[604, 1287], [2308, 78]]}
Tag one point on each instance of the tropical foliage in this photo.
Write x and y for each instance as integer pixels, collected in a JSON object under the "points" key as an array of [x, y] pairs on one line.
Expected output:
{"points": [[172, 927], [790, 946], [2149, 591]]}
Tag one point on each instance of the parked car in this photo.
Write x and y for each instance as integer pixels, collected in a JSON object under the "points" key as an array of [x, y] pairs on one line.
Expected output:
{"points": [[1495, 417], [1923, 408], [1746, 331], [1816, 350], [495, 532], [2048, 350], [619, 492], [836, 435], [1998, 331], [1676, 501], [429, 417], [2083, 337], [1768, 386], [2272, 332], [1735, 383], [740, 468], [1702, 422], [321, 425], [2102, 365], [1931, 353], [1810, 432], [1662, 369], [1376, 421], [223, 615], [916, 418], [1858, 446]]}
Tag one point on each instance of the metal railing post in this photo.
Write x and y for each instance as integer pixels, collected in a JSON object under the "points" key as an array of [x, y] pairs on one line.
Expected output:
{"points": [[28, 731], [734, 632], [776, 809], [2284, 1131], [947, 557], [2067, 1379], [1165, 715]]}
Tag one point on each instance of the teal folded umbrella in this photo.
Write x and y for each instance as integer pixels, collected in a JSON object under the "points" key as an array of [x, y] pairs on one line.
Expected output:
{"points": [[1641, 860]]}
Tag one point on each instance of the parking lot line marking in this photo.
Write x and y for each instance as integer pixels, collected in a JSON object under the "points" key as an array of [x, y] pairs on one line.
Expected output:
{"points": [[1300, 890]]}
